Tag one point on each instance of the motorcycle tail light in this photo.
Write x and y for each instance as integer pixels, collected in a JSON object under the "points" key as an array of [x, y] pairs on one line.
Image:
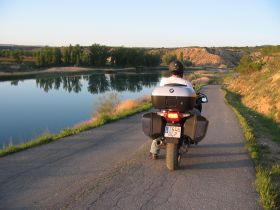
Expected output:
{"points": [[173, 116]]}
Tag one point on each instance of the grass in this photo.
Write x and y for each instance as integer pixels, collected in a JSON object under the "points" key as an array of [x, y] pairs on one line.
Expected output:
{"points": [[267, 169], [97, 120], [265, 122]]}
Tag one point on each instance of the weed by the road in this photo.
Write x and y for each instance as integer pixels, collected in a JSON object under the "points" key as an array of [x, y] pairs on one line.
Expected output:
{"points": [[267, 170], [107, 104]]}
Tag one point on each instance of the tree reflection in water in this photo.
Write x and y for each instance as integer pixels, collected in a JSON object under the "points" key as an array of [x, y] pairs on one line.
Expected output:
{"points": [[100, 83], [69, 83], [97, 83]]}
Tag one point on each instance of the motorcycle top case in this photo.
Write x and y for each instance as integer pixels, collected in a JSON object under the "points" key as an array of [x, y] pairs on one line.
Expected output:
{"points": [[196, 127], [152, 125], [176, 98]]}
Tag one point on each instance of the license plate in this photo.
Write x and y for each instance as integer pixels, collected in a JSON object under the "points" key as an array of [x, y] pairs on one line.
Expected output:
{"points": [[172, 131]]}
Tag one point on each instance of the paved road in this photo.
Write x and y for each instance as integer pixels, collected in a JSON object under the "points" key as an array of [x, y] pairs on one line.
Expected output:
{"points": [[108, 168]]}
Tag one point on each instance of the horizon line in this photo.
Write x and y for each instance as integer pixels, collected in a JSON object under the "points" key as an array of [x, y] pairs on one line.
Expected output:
{"points": [[190, 46]]}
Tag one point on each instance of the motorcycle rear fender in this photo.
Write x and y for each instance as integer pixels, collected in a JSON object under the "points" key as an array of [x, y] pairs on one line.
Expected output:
{"points": [[171, 140]]}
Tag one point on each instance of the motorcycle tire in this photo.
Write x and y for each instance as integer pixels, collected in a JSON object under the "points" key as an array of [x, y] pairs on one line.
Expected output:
{"points": [[172, 156]]}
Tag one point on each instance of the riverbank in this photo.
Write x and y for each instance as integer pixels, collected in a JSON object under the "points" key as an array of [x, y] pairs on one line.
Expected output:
{"points": [[70, 70], [74, 70], [102, 116]]}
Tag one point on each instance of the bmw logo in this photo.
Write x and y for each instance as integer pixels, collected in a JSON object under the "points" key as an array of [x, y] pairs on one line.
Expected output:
{"points": [[171, 90]]}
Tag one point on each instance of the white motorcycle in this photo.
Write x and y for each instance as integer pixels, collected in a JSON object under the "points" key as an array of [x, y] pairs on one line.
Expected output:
{"points": [[177, 124]]}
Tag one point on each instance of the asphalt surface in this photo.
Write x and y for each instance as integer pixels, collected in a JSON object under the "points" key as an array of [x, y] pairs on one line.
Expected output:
{"points": [[108, 168]]}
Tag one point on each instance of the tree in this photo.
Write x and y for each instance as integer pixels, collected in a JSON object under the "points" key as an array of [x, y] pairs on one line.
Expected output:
{"points": [[44, 57], [135, 56], [57, 56], [66, 57], [247, 65], [76, 55], [39, 59], [86, 57], [18, 56], [181, 56], [71, 56], [99, 54], [152, 59], [118, 56], [48, 53], [188, 62], [169, 57]]}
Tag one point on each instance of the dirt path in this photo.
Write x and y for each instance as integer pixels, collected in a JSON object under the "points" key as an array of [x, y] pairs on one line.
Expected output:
{"points": [[108, 168]]}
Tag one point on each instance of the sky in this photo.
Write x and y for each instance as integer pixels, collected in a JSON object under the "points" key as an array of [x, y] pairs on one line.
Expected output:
{"points": [[142, 23]]}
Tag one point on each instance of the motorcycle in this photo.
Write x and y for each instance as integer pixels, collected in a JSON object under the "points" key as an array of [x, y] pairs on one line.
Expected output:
{"points": [[177, 123]]}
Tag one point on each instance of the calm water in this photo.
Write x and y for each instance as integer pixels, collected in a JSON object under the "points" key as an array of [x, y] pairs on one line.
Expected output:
{"points": [[31, 107]]}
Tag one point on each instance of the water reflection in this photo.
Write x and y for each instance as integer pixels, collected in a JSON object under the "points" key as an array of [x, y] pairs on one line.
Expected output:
{"points": [[54, 112], [99, 83], [68, 83], [15, 82]]}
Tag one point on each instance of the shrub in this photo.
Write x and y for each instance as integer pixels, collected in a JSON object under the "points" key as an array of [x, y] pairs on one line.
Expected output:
{"points": [[169, 57], [247, 65]]}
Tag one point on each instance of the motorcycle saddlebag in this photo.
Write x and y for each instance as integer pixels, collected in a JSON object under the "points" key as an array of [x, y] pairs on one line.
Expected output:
{"points": [[196, 127], [152, 125]]}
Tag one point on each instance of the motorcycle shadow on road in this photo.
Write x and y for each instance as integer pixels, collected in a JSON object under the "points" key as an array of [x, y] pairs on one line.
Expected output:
{"points": [[220, 145], [216, 156]]}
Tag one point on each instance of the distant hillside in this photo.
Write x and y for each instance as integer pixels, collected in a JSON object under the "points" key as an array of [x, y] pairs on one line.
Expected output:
{"points": [[204, 56]]}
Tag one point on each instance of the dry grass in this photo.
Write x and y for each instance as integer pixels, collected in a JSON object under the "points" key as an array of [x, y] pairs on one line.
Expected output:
{"points": [[260, 91], [111, 106], [125, 105], [130, 104]]}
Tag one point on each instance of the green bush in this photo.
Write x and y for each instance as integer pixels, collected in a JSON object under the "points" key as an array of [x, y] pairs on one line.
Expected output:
{"points": [[169, 57], [271, 50], [247, 65]]}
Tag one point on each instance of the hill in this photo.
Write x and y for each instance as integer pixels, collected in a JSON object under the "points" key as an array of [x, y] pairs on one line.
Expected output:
{"points": [[205, 56], [258, 81]]}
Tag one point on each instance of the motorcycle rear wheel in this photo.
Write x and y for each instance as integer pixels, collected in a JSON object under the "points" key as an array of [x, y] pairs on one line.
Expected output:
{"points": [[172, 156]]}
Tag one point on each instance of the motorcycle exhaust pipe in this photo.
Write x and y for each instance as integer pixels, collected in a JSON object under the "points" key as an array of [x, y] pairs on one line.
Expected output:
{"points": [[159, 142]]}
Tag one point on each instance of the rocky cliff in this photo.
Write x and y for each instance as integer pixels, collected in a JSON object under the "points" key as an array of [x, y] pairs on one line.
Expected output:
{"points": [[202, 56]]}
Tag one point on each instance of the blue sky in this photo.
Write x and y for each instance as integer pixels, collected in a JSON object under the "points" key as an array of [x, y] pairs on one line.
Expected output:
{"points": [[145, 23]]}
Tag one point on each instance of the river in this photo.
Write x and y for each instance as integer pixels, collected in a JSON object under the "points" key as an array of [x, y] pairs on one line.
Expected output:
{"points": [[30, 107]]}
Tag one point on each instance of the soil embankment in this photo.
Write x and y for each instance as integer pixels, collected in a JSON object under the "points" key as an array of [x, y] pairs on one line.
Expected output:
{"points": [[203, 56]]}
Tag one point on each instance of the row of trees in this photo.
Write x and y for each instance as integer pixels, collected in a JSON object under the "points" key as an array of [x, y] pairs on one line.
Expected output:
{"points": [[17, 55], [95, 55], [10, 53]]}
